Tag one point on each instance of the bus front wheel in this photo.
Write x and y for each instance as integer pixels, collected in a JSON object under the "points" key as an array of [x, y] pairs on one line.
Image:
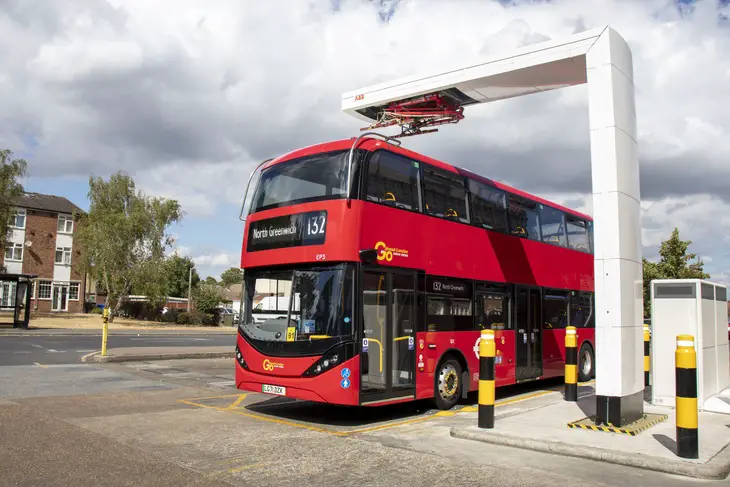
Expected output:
{"points": [[586, 363], [448, 384]]}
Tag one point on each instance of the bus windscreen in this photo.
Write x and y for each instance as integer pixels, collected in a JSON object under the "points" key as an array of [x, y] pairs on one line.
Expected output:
{"points": [[299, 304], [312, 178]]}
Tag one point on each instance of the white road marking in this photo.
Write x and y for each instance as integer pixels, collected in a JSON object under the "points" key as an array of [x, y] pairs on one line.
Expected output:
{"points": [[36, 345], [177, 339]]}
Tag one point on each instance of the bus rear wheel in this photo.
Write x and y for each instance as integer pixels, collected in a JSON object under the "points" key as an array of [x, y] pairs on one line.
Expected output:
{"points": [[586, 363], [448, 384]]}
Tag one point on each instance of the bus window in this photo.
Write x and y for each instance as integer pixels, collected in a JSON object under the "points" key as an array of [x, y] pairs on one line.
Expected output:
{"points": [[448, 305], [393, 180], [444, 194], [523, 219], [577, 234], [555, 309], [581, 310], [488, 207], [492, 312], [312, 178], [552, 226]]}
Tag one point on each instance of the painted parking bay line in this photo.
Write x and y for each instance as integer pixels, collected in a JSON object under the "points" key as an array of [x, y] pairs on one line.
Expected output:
{"points": [[233, 405]]}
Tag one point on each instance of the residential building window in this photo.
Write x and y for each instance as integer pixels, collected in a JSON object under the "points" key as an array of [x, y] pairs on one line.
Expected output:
{"points": [[65, 224], [14, 251], [44, 289], [73, 291], [18, 219], [63, 255]]}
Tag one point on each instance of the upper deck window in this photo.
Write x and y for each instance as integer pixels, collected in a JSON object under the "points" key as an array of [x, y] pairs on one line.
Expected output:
{"points": [[488, 206], [444, 194], [578, 237], [312, 178], [393, 180], [523, 218], [552, 225]]}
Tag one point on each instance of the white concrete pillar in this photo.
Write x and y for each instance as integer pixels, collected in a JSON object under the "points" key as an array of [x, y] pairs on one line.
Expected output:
{"points": [[617, 231]]}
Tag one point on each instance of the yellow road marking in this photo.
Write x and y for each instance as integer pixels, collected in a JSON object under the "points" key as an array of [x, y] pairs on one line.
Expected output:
{"points": [[523, 398], [231, 409], [237, 401], [211, 397], [41, 365], [246, 467]]}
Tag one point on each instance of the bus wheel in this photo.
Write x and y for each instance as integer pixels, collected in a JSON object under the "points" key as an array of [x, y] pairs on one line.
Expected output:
{"points": [[586, 363], [448, 384]]}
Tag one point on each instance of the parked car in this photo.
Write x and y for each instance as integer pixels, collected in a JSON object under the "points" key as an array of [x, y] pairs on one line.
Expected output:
{"points": [[225, 311]]}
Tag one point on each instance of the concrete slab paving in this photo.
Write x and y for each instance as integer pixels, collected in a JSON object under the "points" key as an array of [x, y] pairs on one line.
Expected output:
{"points": [[44, 380], [545, 429]]}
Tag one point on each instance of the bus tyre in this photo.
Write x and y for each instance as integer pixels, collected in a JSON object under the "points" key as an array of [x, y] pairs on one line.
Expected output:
{"points": [[586, 363], [448, 384]]}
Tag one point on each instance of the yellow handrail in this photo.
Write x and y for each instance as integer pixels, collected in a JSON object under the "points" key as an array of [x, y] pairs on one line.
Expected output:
{"points": [[380, 347]]}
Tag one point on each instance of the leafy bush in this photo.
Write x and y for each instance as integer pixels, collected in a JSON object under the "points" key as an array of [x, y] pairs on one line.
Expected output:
{"points": [[140, 310], [96, 310], [207, 297], [171, 316], [196, 318]]}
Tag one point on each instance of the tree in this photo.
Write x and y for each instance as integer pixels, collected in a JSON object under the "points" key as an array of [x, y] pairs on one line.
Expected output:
{"points": [[232, 276], [207, 297], [211, 280], [675, 263], [11, 171], [124, 238], [177, 273]]}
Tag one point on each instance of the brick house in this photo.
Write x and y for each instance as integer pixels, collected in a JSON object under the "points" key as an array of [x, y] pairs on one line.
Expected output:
{"points": [[42, 243]]}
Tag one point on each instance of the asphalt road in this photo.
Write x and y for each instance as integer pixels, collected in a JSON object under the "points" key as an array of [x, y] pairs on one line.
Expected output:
{"points": [[68, 349], [176, 422]]}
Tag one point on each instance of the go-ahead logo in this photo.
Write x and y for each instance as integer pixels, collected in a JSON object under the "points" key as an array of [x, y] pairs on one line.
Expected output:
{"points": [[269, 365], [386, 253]]}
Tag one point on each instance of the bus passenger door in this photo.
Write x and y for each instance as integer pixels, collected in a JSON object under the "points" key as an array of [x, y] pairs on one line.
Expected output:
{"points": [[528, 336], [388, 337]]}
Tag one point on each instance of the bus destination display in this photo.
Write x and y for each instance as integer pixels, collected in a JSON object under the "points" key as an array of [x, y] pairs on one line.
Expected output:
{"points": [[296, 230]]}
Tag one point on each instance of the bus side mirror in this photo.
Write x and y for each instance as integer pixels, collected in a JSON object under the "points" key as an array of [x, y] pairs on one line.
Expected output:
{"points": [[368, 255]]}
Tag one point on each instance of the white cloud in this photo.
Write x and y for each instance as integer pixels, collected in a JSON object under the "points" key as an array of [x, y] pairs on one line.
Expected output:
{"points": [[188, 99], [214, 264]]}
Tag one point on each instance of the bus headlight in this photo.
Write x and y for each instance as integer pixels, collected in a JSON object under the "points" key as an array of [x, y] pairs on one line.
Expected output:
{"points": [[239, 358], [332, 358]]}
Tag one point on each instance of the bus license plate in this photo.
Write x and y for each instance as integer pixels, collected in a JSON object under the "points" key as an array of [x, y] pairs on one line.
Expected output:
{"points": [[278, 390]]}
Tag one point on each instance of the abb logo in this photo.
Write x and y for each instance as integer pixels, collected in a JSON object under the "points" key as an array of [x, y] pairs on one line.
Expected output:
{"points": [[359, 97]]}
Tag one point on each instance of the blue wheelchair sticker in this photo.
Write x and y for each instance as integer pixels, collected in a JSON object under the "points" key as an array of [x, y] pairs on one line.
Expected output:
{"points": [[345, 373]]}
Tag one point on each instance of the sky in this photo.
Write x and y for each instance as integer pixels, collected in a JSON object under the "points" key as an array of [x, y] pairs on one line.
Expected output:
{"points": [[187, 97]]}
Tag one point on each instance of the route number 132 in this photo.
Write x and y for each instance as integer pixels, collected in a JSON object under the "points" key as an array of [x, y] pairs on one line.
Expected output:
{"points": [[316, 225]]}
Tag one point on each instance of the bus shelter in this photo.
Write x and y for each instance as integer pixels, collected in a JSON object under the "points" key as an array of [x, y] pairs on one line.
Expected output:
{"points": [[15, 292]]}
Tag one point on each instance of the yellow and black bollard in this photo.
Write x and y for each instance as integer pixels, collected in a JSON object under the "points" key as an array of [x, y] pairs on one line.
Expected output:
{"points": [[487, 351], [686, 397], [647, 355], [571, 364]]}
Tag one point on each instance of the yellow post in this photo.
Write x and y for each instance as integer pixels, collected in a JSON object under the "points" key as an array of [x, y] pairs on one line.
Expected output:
{"points": [[686, 397], [571, 364], [487, 351], [647, 356], [105, 333]]}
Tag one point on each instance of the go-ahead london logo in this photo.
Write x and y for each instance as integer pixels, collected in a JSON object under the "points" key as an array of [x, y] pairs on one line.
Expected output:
{"points": [[386, 253]]}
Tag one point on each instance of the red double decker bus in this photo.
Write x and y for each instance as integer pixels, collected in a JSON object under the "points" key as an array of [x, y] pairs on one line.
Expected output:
{"points": [[369, 271]]}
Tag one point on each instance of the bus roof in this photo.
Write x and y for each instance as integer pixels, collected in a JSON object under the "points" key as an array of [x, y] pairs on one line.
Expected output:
{"points": [[369, 143]]}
